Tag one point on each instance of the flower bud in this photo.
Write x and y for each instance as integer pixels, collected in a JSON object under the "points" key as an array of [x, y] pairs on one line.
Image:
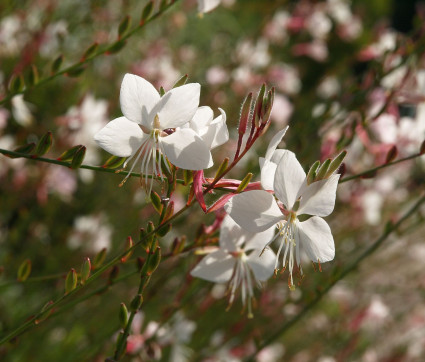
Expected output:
{"points": [[222, 168], [124, 26], [336, 162], [91, 50], [123, 315], [78, 158], [46, 311], [75, 72], [154, 261], [44, 144], [69, 154], [146, 13], [156, 202], [181, 81], [85, 270], [392, 154], [244, 183], [24, 270], [312, 173], [245, 113], [16, 83], [169, 211], [268, 106], [33, 75], [113, 162], [164, 230], [128, 245], [23, 149], [57, 64], [99, 259], [259, 106], [322, 171], [71, 281], [116, 47], [136, 303]]}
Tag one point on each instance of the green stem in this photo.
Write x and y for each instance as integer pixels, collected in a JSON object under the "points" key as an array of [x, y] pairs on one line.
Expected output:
{"points": [[372, 170], [350, 268], [105, 50]]}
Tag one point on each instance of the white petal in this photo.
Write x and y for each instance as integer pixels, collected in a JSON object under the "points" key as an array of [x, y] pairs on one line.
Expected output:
{"points": [[205, 6], [216, 267], [217, 133], [288, 179], [268, 168], [318, 198], [232, 235], [185, 149], [277, 138], [262, 266], [316, 239], [177, 106], [120, 137], [254, 211], [137, 98], [259, 240], [202, 118]]}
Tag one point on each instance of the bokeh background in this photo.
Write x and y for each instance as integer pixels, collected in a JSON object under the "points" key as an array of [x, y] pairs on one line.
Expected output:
{"points": [[348, 75]]}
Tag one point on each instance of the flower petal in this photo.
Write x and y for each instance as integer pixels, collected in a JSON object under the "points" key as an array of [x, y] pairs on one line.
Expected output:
{"points": [[185, 149], [205, 6], [262, 266], [221, 133], [316, 239], [137, 98], [268, 169], [318, 198], [202, 118], [120, 137], [254, 211], [216, 267], [232, 235], [177, 106], [288, 179], [277, 138], [259, 240]]}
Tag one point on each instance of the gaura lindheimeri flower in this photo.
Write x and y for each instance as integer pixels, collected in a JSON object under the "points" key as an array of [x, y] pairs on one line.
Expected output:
{"points": [[238, 261], [256, 211], [153, 127]]}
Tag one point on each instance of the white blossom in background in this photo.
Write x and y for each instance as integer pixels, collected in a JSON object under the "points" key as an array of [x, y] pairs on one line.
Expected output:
{"points": [[90, 232], [21, 111], [256, 211], [205, 6], [237, 261], [153, 127]]}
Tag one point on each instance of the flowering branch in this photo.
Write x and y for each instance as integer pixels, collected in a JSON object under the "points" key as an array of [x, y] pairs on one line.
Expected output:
{"points": [[390, 228], [92, 51]]}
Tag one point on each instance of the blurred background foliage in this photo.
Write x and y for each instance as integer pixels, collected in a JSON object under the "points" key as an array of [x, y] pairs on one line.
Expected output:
{"points": [[328, 61]]}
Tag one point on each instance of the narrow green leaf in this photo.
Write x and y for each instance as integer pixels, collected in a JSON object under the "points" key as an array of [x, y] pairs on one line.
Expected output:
{"points": [[244, 183], [323, 170], [24, 270], [336, 162], [311, 175]]}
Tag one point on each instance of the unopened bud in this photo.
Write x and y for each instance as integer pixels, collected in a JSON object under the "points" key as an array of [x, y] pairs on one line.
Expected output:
{"points": [[91, 50], [44, 144], [116, 47], [71, 281], [113, 162], [124, 26], [181, 81], [244, 183], [46, 311], [69, 154], [259, 105], [136, 303], [78, 158], [16, 83], [128, 245], [24, 270], [99, 259], [123, 315], [154, 261], [312, 173], [336, 162], [222, 168], [57, 63], [156, 202], [33, 75], [169, 211], [392, 154], [161, 91], [268, 106], [85, 270], [164, 230], [322, 171], [24, 149], [146, 13], [245, 113]]}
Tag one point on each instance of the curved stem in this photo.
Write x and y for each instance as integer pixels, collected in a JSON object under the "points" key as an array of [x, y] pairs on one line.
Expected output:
{"points": [[108, 49], [350, 268]]}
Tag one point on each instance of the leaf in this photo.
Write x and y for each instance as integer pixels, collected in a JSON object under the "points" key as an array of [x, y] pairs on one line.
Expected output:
{"points": [[24, 270]]}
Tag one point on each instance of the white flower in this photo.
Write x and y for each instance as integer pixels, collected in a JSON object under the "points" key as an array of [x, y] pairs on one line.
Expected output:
{"points": [[258, 210], [212, 130], [238, 261], [204, 6], [153, 126]]}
